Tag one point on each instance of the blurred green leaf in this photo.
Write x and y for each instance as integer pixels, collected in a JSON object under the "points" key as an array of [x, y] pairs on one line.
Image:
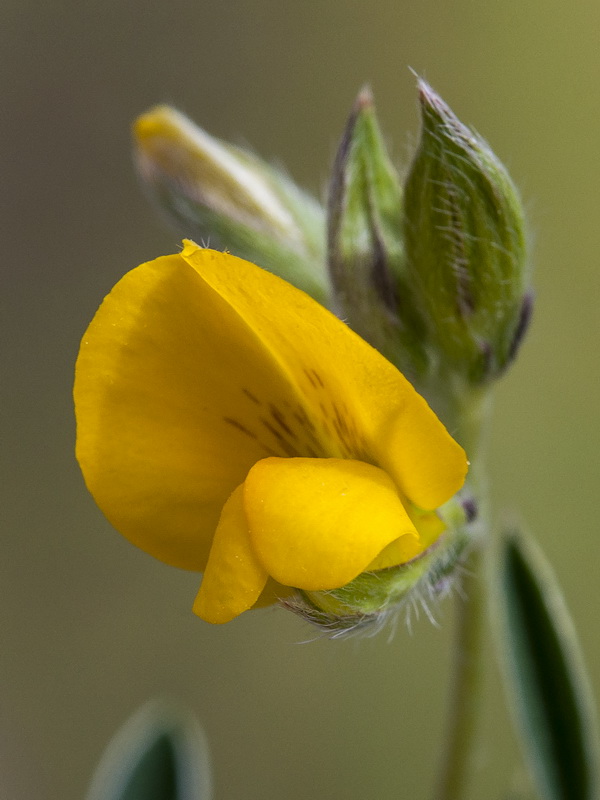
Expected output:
{"points": [[160, 753], [547, 683]]}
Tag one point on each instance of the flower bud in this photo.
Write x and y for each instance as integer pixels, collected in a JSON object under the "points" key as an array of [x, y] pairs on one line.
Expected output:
{"points": [[231, 199], [465, 246], [365, 251]]}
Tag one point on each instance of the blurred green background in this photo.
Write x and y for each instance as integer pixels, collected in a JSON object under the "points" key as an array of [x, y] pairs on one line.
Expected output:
{"points": [[90, 627]]}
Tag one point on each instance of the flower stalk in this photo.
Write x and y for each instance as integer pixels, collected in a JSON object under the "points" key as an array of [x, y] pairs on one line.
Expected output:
{"points": [[466, 689]]}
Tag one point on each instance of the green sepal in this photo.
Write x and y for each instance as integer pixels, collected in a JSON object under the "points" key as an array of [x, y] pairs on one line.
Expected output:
{"points": [[546, 680], [228, 198], [160, 753], [465, 244], [365, 252]]}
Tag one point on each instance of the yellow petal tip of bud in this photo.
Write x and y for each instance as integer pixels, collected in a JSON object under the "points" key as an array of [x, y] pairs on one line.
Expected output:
{"points": [[159, 120]]}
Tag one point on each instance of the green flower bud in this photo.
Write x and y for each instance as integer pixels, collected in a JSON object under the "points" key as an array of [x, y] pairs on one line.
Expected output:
{"points": [[465, 245], [231, 199], [364, 233]]}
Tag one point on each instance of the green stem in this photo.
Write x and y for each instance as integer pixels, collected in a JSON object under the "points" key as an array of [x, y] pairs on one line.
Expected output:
{"points": [[466, 688]]}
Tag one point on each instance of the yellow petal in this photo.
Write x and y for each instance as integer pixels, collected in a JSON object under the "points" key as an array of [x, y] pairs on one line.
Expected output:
{"points": [[234, 578], [362, 405], [317, 523], [176, 398], [397, 552], [421, 456], [430, 528]]}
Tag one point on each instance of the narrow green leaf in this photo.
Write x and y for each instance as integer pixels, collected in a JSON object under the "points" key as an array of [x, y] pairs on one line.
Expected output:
{"points": [[160, 753], [547, 684]]}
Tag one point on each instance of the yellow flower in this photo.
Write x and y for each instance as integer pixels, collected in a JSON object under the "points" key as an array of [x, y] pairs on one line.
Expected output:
{"points": [[228, 423]]}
